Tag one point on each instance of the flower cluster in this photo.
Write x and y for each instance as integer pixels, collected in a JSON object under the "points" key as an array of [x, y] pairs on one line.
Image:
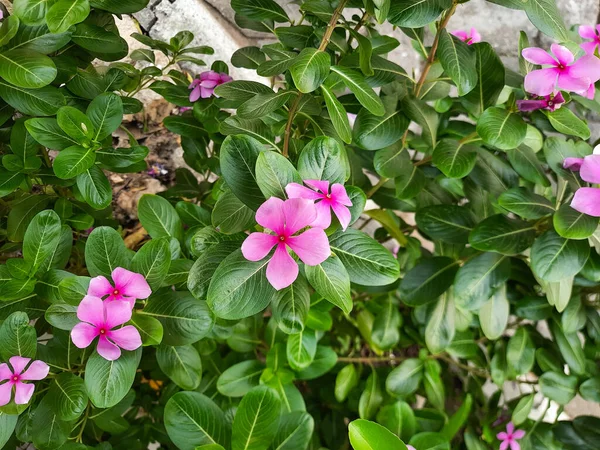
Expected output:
{"points": [[15, 377], [586, 199], [509, 437], [103, 319], [283, 220], [204, 84]]}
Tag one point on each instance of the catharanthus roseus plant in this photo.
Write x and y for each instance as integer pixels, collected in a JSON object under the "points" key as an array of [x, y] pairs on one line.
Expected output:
{"points": [[358, 254]]}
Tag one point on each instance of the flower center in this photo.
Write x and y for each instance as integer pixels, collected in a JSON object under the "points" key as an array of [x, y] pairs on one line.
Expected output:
{"points": [[15, 378], [561, 66], [282, 238], [550, 103], [116, 292], [328, 196], [102, 331]]}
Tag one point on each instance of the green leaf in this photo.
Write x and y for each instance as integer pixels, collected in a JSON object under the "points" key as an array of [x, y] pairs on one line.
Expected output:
{"points": [[367, 262], [434, 387], [241, 90], [119, 7], [159, 217], [477, 279], [371, 398], [294, 432], [440, 329], [590, 389], [273, 173], [458, 419], [106, 114], [572, 224], [554, 258], [427, 280], [405, 379], [18, 337], [323, 158], [386, 326], [41, 238], [75, 124], [501, 234], [501, 129], [205, 266], [366, 435], [193, 420], [522, 410], [453, 158], [527, 164], [448, 223], [101, 43], [73, 161], [181, 364], [239, 288], [67, 396], [331, 280], [95, 187], [248, 58], [310, 69], [107, 382], [520, 352], [238, 162], [185, 319], [420, 112], [358, 86], [458, 61], [66, 13], [35, 102], [240, 378], [373, 132], [264, 104], [151, 330], [153, 261], [415, 14], [290, 306], [230, 215], [105, 251], [31, 11], [43, 435], [493, 314], [399, 418], [8, 422], [260, 10], [337, 114], [27, 69], [570, 348], [525, 203], [62, 316], [256, 420], [490, 79], [565, 121], [300, 349], [49, 134], [558, 387], [546, 17], [9, 28], [346, 380]]}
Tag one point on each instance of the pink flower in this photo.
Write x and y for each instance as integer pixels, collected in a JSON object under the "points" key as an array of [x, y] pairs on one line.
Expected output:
{"points": [[549, 102], [184, 109], [587, 199], [204, 85], [325, 201], [99, 319], [509, 438], [471, 37], [564, 72], [38, 370], [410, 447], [129, 286], [589, 32], [285, 218]]}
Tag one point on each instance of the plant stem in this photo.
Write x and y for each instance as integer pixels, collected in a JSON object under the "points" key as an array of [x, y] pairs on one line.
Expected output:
{"points": [[371, 359], [331, 25], [431, 58], [358, 26], [375, 188]]}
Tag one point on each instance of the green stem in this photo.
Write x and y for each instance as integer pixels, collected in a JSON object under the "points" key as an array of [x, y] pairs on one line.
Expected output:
{"points": [[375, 188]]}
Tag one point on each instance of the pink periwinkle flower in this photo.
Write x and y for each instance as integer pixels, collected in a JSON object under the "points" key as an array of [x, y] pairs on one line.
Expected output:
{"points": [[325, 200], [204, 85], [285, 219], [593, 33], [129, 286], [563, 72], [509, 438], [99, 320], [410, 447], [549, 102], [470, 37], [37, 370], [586, 199]]}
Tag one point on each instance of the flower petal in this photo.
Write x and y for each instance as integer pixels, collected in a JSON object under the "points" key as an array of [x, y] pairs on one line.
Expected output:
{"points": [[83, 334], [127, 337], [282, 270], [538, 56], [321, 185], [563, 54], [571, 83], [117, 313], [475, 36], [5, 372], [295, 190], [206, 92], [587, 201], [5, 393], [131, 284], [18, 364], [572, 163], [91, 310], [339, 194], [258, 245], [514, 445], [589, 47], [298, 213], [343, 214], [323, 219], [462, 35], [108, 350], [195, 94], [587, 32], [531, 105], [37, 370], [23, 393], [502, 436], [587, 66], [541, 82], [99, 287], [312, 246], [504, 445], [270, 215], [519, 434], [590, 169], [510, 428]]}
